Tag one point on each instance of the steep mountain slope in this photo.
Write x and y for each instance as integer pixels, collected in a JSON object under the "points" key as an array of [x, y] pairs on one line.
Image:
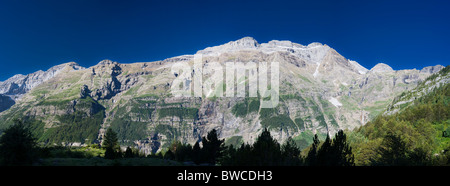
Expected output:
{"points": [[407, 98], [320, 92], [18, 85], [414, 129]]}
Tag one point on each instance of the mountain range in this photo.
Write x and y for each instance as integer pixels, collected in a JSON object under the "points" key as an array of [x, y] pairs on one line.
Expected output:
{"points": [[321, 92]]}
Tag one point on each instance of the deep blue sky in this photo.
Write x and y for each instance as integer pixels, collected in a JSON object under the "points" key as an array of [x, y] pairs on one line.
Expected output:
{"points": [[38, 34]]}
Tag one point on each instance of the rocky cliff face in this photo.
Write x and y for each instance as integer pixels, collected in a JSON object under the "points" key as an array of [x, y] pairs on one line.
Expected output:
{"points": [[320, 92]]}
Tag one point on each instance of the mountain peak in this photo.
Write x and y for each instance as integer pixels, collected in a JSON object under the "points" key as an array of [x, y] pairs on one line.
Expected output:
{"points": [[106, 62], [315, 44], [240, 44], [284, 43], [72, 65], [245, 42], [381, 67], [432, 69]]}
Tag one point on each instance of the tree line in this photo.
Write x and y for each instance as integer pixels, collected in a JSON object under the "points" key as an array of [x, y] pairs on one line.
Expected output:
{"points": [[265, 151], [19, 147]]}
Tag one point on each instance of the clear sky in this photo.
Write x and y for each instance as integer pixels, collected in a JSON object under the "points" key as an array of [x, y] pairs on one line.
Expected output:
{"points": [[38, 34]]}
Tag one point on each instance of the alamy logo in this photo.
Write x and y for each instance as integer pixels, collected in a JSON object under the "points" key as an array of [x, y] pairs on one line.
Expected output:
{"points": [[212, 79]]}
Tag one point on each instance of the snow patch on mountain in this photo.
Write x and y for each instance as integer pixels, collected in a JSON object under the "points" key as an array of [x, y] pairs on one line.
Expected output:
{"points": [[335, 102], [358, 67], [316, 72]]}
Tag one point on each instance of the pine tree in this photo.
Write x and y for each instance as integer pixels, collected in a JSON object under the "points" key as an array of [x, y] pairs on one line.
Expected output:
{"points": [[212, 147], [111, 144], [334, 152], [196, 153], [169, 155], [245, 156], [111, 139], [392, 151], [324, 153], [181, 151], [17, 145], [311, 158], [227, 156], [266, 150], [128, 153], [110, 153], [290, 153], [341, 151]]}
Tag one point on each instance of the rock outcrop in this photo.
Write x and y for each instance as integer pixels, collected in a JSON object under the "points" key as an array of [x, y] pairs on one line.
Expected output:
{"points": [[432, 69], [381, 67]]}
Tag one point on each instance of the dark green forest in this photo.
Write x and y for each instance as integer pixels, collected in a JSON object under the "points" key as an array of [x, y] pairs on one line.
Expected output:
{"points": [[419, 135]]}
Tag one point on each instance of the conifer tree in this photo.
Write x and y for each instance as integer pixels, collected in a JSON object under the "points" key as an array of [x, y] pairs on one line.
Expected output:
{"points": [[128, 153], [341, 151], [392, 151], [110, 139], [324, 153], [169, 155], [212, 147], [196, 153], [111, 144], [266, 150], [17, 145], [311, 158], [290, 153]]}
